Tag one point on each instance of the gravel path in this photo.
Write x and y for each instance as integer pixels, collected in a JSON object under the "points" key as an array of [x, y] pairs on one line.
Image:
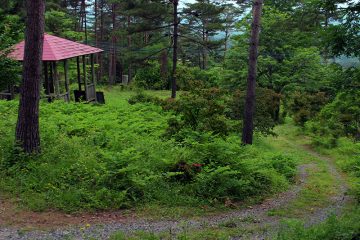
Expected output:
{"points": [[254, 216]]}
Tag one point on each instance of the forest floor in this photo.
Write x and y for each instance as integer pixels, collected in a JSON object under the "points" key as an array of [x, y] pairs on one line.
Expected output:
{"points": [[319, 191]]}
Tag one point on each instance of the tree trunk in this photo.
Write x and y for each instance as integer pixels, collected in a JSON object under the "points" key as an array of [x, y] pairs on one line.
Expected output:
{"points": [[101, 73], [164, 64], [113, 44], [85, 23], [175, 48], [129, 40], [227, 36], [248, 129], [96, 26], [27, 129]]}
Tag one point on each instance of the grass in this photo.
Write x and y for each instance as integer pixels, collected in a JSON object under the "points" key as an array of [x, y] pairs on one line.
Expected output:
{"points": [[346, 227], [347, 157], [210, 233]]}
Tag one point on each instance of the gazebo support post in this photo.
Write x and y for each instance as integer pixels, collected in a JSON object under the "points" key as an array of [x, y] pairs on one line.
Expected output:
{"points": [[11, 91], [84, 73], [93, 79], [66, 70], [51, 80], [56, 80], [78, 72], [46, 78]]}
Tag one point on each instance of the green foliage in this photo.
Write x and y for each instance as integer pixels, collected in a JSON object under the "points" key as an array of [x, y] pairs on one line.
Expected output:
{"points": [[149, 77], [303, 106], [345, 228], [266, 109], [338, 118], [11, 31], [61, 24], [10, 71], [200, 110], [115, 156]]}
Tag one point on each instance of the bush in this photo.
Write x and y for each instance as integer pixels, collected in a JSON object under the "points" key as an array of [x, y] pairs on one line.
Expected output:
{"points": [[338, 118], [189, 78], [199, 110], [304, 106], [149, 77], [267, 107], [142, 97]]}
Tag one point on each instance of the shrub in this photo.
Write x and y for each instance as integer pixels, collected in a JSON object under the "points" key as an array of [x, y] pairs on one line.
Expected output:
{"points": [[338, 118], [142, 97], [149, 77], [304, 106], [266, 109], [200, 110]]}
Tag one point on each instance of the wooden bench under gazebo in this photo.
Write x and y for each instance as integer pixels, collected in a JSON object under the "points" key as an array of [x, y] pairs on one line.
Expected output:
{"points": [[57, 49]]}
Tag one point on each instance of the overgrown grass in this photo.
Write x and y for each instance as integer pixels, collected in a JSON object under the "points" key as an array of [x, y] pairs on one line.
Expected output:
{"points": [[115, 156], [346, 227], [229, 230], [347, 156]]}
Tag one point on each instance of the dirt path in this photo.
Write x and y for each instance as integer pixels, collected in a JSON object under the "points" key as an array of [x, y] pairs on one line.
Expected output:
{"points": [[254, 217]]}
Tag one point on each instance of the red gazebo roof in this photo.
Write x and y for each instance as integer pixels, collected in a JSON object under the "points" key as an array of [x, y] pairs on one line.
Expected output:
{"points": [[56, 49]]}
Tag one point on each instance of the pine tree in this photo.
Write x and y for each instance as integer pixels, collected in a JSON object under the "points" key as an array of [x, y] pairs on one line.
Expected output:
{"points": [[248, 128], [27, 129], [203, 22]]}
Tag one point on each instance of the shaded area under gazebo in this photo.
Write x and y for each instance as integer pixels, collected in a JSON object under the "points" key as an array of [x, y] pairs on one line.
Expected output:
{"points": [[57, 50]]}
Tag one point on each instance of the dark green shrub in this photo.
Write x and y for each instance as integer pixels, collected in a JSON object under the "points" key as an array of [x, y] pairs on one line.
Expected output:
{"points": [[304, 106], [149, 77], [266, 109], [142, 97], [339, 118], [201, 110]]}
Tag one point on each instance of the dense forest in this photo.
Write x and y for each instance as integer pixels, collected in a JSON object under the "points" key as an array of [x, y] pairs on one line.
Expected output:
{"points": [[220, 119]]}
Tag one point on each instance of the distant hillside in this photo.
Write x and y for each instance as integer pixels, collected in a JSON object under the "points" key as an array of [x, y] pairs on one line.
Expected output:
{"points": [[347, 62]]}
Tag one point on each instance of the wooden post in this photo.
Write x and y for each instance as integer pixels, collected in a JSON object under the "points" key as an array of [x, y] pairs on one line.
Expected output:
{"points": [[93, 79], [66, 69], [56, 80], [51, 80], [11, 91], [46, 76], [84, 73], [78, 72]]}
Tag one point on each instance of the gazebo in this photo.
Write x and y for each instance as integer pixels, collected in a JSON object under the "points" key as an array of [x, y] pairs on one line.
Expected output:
{"points": [[56, 49]]}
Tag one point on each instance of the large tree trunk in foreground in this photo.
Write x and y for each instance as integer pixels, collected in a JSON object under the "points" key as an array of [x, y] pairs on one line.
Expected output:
{"points": [[27, 129], [175, 48], [248, 129]]}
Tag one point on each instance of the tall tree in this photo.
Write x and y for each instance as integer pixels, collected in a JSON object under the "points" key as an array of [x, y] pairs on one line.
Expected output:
{"points": [[175, 48], [27, 129], [204, 20], [248, 129]]}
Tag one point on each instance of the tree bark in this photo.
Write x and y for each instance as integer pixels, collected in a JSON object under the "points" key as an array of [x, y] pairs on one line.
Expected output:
{"points": [[175, 48], [113, 61], [164, 64], [129, 40], [101, 39], [27, 129], [248, 129]]}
